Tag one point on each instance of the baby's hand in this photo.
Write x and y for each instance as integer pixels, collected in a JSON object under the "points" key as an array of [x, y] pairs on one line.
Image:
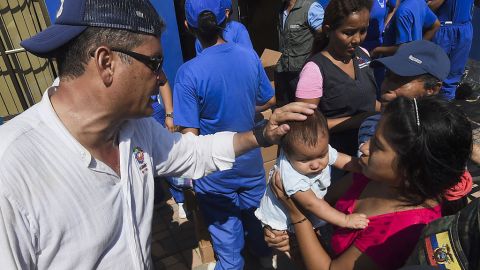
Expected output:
{"points": [[356, 221]]}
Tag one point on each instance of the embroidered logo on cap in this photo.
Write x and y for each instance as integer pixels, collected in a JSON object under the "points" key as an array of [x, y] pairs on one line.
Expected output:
{"points": [[414, 59]]}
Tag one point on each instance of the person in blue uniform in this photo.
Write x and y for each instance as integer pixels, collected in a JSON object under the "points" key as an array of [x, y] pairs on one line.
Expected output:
{"points": [[219, 90], [233, 32], [413, 20], [455, 37], [380, 15]]}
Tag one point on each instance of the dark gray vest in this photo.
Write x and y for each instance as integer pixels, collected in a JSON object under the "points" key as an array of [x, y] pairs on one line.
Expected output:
{"points": [[295, 38]]}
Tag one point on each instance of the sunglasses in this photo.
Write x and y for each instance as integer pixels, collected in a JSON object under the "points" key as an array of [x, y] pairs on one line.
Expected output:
{"points": [[153, 63]]}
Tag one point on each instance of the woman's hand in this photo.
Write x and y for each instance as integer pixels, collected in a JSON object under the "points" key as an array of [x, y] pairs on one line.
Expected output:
{"points": [[278, 240], [277, 188]]}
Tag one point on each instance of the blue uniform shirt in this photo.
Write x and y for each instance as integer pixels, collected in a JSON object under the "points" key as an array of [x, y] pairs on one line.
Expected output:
{"points": [[234, 32], [455, 11], [218, 91], [411, 17], [378, 13], [474, 51]]}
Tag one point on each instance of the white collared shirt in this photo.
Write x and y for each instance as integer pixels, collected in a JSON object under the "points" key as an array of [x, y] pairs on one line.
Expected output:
{"points": [[60, 208]]}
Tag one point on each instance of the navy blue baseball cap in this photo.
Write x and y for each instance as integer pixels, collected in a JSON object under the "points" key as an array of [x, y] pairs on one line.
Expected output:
{"points": [[74, 16], [193, 8], [417, 58]]}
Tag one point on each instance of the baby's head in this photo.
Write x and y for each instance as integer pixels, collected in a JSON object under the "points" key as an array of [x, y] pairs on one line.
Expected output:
{"points": [[306, 144]]}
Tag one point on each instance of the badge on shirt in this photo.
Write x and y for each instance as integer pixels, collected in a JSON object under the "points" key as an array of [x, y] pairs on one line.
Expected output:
{"points": [[362, 62], [440, 252], [140, 159]]}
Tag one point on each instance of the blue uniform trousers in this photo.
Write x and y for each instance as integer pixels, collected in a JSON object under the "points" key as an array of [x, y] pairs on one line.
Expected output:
{"points": [[456, 40], [175, 189], [228, 207]]}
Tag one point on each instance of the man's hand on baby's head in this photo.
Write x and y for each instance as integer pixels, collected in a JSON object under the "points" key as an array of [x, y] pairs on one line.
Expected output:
{"points": [[356, 221], [295, 111]]}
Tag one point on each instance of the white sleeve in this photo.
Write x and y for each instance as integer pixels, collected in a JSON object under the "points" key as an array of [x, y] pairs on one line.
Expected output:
{"points": [[332, 155], [190, 156], [17, 250]]}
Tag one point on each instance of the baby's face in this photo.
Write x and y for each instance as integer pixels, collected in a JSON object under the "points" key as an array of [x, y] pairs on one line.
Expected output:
{"points": [[309, 160]]}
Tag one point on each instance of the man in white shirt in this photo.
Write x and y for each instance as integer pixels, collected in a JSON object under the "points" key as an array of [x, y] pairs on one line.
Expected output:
{"points": [[76, 170]]}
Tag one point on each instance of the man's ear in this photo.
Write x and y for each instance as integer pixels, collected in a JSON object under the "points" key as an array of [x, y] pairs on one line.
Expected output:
{"points": [[103, 57], [435, 89]]}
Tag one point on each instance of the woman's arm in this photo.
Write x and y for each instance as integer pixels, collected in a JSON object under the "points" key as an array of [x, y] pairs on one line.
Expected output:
{"points": [[166, 94], [309, 100], [430, 32], [347, 123], [392, 12], [331, 122], [313, 253], [383, 51]]}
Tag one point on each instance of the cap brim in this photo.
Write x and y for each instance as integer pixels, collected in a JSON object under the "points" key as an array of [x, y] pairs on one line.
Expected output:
{"points": [[399, 65], [46, 42]]}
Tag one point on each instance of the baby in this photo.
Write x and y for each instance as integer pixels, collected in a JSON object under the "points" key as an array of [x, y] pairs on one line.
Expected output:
{"points": [[304, 165]]}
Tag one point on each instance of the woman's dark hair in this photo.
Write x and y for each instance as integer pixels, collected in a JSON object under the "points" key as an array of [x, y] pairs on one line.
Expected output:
{"points": [[305, 132], [208, 30], [335, 13], [432, 150]]}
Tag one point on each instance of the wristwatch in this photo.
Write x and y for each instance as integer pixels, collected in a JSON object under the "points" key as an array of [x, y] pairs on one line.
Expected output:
{"points": [[259, 136], [169, 115]]}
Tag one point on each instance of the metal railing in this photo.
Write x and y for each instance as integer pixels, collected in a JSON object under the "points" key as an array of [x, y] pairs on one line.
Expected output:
{"points": [[23, 77]]}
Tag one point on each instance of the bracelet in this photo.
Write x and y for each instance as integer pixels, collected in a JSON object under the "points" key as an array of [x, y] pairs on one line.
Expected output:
{"points": [[260, 137], [169, 115], [298, 222]]}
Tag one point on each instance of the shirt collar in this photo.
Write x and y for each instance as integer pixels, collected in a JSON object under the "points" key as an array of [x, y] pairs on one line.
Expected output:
{"points": [[48, 115]]}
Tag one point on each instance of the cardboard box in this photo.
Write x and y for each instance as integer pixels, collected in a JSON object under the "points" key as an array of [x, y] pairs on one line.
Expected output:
{"points": [[266, 114], [201, 232], [269, 153], [269, 60]]}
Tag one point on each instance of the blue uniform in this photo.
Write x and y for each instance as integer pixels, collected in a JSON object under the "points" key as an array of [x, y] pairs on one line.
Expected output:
{"points": [[374, 38], [474, 51], [376, 26], [234, 32], [218, 91], [411, 17], [455, 37], [175, 190]]}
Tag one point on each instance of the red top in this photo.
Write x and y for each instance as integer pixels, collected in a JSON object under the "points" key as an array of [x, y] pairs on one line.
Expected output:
{"points": [[389, 238]]}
